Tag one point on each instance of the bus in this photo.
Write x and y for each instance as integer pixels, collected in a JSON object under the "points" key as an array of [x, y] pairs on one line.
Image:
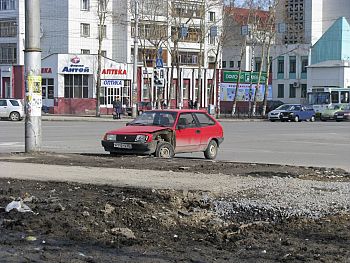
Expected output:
{"points": [[322, 98]]}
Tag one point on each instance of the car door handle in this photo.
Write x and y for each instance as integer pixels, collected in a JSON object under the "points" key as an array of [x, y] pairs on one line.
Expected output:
{"points": [[198, 131]]}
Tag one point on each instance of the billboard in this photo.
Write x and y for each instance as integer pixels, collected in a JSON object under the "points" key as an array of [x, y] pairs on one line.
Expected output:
{"points": [[227, 92]]}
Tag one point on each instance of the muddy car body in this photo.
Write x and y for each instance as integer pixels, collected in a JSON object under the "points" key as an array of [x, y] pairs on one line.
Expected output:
{"points": [[165, 133]]}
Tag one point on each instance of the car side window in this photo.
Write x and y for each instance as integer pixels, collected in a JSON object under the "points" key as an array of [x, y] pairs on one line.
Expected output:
{"points": [[14, 102], [297, 108], [204, 120], [186, 120], [3, 103]]}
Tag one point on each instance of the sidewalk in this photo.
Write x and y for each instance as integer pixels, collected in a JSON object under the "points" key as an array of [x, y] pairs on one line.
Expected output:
{"points": [[109, 118]]}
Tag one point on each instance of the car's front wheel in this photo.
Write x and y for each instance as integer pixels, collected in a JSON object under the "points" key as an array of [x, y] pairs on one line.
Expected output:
{"points": [[14, 116], [296, 118], [164, 150], [211, 151]]}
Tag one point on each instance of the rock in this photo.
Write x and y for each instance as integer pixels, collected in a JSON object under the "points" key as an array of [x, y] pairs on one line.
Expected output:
{"points": [[108, 209], [123, 231], [86, 213]]}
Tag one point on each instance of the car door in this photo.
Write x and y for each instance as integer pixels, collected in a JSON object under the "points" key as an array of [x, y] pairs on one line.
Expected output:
{"points": [[188, 134], [3, 108], [208, 129]]}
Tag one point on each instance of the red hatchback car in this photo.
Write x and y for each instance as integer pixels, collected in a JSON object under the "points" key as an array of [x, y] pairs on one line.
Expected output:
{"points": [[167, 132]]}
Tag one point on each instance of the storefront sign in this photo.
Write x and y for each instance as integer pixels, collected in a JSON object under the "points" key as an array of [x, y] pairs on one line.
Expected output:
{"points": [[112, 83], [76, 69], [232, 76], [112, 71], [46, 70]]}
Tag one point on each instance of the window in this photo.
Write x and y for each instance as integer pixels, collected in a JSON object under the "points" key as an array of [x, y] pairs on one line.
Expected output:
{"points": [[3, 103], [204, 120], [303, 91], [212, 16], [187, 120], [280, 65], [8, 28], [280, 91], [239, 64], [85, 30], [186, 88], [104, 53], [7, 5], [103, 31], [85, 5], [292, 64], [146, 88], [335, 97], [344, 97], [8, 53], [257, 64], [304, 63], [14, 103], [85, 51], [224, 64], [292, 91], [76, 86], [232, 64], [47, 88], [188, 58]]}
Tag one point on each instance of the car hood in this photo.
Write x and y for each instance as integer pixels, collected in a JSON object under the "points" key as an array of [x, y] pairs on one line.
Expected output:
{"points": [[138, 129]]}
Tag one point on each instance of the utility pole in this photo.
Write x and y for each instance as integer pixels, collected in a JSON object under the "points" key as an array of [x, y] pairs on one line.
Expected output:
{"points": [[32, 58], [136, 47]]}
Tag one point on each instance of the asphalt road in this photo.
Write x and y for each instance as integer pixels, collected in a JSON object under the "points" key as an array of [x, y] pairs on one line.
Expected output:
{"points": [[324, 144]]}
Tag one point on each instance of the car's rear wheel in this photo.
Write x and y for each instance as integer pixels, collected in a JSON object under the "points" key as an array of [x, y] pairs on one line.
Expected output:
{"points": [[296, 118], [164, 150], [312, 119], [14, 116], [272, 120], [211, 151]]}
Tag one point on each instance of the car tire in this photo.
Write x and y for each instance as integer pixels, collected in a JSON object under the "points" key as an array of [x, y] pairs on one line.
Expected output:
{"points": [[272, 120], [313, 118], [164, 150], [14, 116], [212, 150], [114, 154], [296, 118]]}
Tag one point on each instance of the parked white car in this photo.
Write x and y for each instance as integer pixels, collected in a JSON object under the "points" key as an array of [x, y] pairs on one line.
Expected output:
{"points": [[12, 109]]}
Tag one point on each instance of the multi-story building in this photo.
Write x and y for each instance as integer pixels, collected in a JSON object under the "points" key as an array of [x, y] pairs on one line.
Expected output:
{"points": [[299, 25], [170, 31]]}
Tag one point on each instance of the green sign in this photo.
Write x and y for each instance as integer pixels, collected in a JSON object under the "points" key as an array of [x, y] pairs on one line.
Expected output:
{"points": [[232, 76]]}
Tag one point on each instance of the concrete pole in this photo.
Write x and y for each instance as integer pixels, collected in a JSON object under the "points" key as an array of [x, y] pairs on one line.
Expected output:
{"points": [[136, 47], [32, 58]]}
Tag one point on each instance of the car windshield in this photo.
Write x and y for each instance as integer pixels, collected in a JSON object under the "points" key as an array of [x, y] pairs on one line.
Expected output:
{"points": [[286, 107], [155, 118]]}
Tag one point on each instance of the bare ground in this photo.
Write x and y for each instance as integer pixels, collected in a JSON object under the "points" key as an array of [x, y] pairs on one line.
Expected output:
{"points": [[74, 222]]}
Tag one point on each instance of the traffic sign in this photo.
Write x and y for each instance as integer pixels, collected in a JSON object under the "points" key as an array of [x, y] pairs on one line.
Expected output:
{"points": [[159, 63]]}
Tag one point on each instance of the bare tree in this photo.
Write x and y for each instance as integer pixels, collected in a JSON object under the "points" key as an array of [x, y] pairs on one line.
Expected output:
{"points": [[101, 15]]}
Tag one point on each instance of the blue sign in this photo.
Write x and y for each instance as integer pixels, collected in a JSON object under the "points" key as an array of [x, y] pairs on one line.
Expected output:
{"points": [[159, 63]]}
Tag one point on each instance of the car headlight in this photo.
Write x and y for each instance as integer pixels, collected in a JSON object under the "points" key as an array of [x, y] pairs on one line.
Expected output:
{"points": [[141, 138], [111, 137]]}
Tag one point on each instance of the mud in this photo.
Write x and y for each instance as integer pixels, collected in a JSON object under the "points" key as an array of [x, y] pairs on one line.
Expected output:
{"points": [[73, 222]]}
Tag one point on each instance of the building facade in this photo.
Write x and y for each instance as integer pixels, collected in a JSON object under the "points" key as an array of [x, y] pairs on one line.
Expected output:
{"points": [[181, 35]]}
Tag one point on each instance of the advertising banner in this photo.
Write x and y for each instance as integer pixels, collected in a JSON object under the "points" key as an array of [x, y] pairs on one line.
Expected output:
{"points": [[227, 92]]}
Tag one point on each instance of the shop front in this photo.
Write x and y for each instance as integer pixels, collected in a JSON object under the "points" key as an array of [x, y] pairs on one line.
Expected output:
{"points": [[69, 84]]}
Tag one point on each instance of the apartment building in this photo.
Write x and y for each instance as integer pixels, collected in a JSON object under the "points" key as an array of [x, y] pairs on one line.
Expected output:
{"points": [[69, 42]]}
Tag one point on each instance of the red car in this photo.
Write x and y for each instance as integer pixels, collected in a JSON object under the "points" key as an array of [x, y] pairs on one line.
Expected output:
{"points": [[167, 132]]}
